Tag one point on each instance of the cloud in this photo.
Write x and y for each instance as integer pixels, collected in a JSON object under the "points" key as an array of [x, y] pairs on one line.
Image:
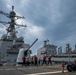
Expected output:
{"points": [[35, 31], [46, 19], [31, 30]]}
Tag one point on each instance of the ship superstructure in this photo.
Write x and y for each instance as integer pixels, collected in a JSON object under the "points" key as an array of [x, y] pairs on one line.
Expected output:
{"points": [[50, 50], [46, 50], [68, 56], [10, 43]]}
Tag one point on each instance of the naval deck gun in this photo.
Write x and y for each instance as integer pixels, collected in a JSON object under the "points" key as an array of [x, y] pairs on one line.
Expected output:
{"points": [[26, 51]]}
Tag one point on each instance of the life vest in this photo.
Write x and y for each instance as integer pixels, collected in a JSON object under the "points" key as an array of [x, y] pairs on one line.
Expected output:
{"points": [[44, 57], [49, 58], [23, 58], [35, 58]]}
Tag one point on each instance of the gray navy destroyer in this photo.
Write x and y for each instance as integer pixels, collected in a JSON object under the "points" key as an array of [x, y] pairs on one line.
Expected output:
{"points": [[9, 42]]}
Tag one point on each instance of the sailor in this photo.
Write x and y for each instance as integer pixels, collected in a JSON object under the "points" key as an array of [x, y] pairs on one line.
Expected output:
{"points": [[49, 60], [39, 60], [44, 60], [27, 61], [24, 60], [35, 60], [32, 61]]}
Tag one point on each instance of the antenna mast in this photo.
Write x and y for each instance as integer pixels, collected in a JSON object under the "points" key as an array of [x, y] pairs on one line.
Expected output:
{"points": [[11, 28]]}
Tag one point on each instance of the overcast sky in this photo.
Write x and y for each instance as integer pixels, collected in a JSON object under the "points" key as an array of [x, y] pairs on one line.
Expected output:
{"points": [[54, 20]]}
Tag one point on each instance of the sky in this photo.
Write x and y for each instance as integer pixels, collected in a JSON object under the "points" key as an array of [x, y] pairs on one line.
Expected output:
{"points": [[54, 20]]}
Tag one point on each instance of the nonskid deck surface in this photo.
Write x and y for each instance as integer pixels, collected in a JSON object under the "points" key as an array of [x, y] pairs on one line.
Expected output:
{"points": [[33, 70]]}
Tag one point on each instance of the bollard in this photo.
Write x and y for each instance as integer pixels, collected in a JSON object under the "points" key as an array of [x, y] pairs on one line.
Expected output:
{"points": [[63, 67]]}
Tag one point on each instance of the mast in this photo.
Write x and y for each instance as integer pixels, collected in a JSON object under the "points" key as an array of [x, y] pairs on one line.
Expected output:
{"points": [[11, 29]]}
